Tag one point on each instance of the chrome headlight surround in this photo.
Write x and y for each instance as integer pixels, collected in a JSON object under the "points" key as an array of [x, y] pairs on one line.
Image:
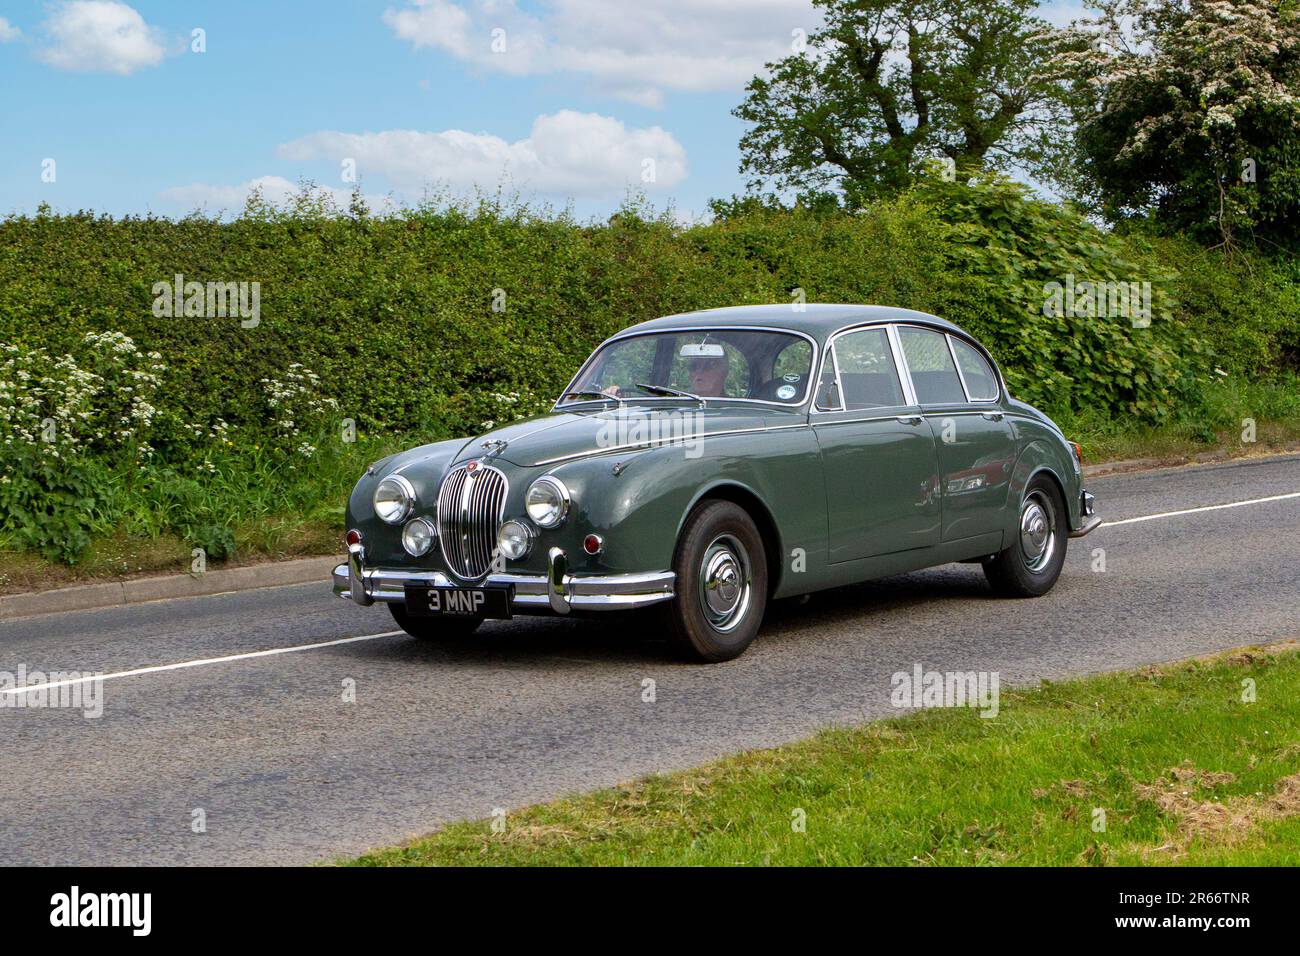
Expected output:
{"points": [[547, 502], [514, 539], [399, 499], [418, 537]]}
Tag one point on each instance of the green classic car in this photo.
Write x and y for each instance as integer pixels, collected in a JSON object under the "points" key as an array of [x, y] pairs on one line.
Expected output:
{"points": [[709, 462]]}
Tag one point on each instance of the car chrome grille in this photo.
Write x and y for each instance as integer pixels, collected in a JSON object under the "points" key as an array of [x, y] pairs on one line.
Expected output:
{"points": [[470, 504]]}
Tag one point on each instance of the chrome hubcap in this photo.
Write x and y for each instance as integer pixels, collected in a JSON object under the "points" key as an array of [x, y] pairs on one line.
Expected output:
{"points": [[725, 582], [1037, 531]]}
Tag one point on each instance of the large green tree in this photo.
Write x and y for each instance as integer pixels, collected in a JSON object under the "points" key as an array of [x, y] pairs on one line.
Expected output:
{"points": [[887, 84], [1191, 115]]}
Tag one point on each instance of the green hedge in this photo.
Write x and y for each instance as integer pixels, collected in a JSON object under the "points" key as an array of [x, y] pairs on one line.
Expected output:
{"points": [[438, 321], [396, 314]]}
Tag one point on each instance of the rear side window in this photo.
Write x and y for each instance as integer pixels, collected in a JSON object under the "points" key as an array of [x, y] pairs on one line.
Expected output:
{"points": [[933, 375], [868, 377], [981, 383]]}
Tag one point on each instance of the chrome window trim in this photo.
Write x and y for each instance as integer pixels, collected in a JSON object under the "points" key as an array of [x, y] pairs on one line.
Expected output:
{"points": [[839, 382], [831, 355], [859, 421], [962, 375], [961, 379], [827, 356], [904, 370], [803, 400]]}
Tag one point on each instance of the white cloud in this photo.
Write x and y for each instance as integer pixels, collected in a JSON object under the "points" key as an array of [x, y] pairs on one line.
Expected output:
{"points": [[635, 50], [275, 190], [566, 153], [101, 36], [8, 31]]}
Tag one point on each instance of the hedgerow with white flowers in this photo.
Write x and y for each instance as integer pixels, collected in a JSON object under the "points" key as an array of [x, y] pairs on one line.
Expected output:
{"points": [[74, 427]]}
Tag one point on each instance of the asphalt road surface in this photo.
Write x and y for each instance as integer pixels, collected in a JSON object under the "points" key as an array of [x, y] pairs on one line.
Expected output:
{"points": [[285, 770]]}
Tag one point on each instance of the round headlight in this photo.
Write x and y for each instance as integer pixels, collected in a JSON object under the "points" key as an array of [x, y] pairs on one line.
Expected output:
{"points": [[417, 537], [394, 499], [514, 539], [547, 501]]}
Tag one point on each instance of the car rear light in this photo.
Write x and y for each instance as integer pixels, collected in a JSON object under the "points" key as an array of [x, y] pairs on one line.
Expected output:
{"points": [[592, 544], [1078, 451], [353, 537]]}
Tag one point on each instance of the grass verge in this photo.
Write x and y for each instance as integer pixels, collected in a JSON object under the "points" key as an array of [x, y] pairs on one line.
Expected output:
{"points": [[1185, 769]]}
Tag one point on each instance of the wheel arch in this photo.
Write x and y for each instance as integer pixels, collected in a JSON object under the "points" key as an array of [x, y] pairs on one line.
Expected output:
{"points": [[1056, 481], [753, 505], [1027, 469]]}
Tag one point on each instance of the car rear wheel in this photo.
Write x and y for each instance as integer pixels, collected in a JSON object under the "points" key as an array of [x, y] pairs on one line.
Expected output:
{"points": [[1032, 563], [434, 628], [721, 583]]}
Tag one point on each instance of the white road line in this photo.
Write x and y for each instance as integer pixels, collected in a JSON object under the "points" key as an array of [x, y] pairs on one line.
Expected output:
{"points": [[1192, 511], [199, 663], [13, 691]]}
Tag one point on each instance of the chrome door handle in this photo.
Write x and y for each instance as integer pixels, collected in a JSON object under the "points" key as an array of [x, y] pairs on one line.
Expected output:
{"points": [[992, 416], [910, 419]]}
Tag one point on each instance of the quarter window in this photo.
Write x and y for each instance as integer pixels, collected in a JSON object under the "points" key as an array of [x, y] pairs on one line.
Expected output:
{"points": [[933, 375], [981, 383]]}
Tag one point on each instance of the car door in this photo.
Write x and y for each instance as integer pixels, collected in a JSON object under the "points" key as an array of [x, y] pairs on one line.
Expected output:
{"points": [[878, 454], [960, 396]]}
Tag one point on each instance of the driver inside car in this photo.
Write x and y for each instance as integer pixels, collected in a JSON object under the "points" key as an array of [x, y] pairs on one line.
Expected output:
{"points": [[708, 375]]}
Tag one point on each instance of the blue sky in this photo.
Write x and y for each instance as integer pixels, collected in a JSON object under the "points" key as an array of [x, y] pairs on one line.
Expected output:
{"points": [[563, 101]]}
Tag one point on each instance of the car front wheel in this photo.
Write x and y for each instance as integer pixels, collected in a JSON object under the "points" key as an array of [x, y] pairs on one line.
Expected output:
{"points": [[1032, 563], [721, 583]]}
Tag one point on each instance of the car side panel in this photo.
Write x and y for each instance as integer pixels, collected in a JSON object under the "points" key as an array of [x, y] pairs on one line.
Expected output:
{"points": [[640, 512], [976, 455]]}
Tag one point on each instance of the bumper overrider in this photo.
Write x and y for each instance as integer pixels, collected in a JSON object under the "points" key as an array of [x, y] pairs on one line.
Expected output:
{"points": [[557, 591], [1088, 511]]}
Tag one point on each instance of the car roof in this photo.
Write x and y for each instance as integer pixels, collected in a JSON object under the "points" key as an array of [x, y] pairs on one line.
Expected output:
{"points": [[816, 319]]}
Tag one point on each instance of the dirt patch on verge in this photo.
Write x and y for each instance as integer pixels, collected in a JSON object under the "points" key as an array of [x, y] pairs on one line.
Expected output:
{"points": [[1247, 656], [1182, 794]]}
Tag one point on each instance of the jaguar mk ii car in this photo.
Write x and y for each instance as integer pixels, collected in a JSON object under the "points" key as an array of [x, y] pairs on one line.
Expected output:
{"points": [[707, 463]]}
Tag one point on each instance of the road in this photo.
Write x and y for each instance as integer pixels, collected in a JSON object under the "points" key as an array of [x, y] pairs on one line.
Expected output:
{"points": [[285, 770]]}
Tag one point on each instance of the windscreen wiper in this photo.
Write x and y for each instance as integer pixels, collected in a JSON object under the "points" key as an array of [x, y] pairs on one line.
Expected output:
{"points": [[674, 392], [594, 393]]}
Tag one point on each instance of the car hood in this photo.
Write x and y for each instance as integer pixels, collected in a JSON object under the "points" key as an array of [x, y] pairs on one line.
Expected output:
{"points": [[560, 435]]}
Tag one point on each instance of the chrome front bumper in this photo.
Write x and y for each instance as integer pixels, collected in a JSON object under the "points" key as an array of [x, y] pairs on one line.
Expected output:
{"points": [[557, 591], [1091, 520]]}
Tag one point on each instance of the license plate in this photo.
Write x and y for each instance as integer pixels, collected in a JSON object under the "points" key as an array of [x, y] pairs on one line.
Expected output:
{"points": [[425, 601]]}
